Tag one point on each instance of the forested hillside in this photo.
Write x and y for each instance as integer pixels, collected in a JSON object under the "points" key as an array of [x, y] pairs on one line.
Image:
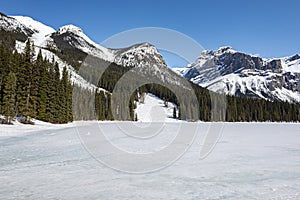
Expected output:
{"points": [[33, 88]]}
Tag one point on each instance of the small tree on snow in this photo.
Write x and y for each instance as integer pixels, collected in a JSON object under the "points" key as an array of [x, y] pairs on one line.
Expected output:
{"points": [[174, 113]]}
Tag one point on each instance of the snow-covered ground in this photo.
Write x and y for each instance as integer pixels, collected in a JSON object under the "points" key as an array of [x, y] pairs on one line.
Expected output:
{"points": [[18, 129], [154, 110], [250, 161]]}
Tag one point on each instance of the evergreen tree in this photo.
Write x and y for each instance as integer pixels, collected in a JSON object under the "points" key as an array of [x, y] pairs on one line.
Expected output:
{"points": [[25, 83], [174, 113], [9, 99], [42, 89], [4, 71]]}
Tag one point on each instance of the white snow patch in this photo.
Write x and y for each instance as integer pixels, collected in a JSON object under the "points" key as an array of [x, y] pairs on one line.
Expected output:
{"points": [[290, 66]]}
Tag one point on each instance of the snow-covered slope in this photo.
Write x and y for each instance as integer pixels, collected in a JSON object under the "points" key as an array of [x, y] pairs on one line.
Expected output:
{"points": [[154, 110], [138, 55], [41, 33], [149, 63], [75, 37], [11, 24], [291, 64], [70, 38], [228, 71], [181, 70]]}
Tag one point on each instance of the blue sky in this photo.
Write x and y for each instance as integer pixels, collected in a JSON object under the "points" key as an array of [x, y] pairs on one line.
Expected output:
{"points": [[270, 28]]}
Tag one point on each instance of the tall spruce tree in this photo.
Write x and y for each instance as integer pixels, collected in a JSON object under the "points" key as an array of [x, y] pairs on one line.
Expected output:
{"points": [[25, 83], [42, 89], [9, 98]]}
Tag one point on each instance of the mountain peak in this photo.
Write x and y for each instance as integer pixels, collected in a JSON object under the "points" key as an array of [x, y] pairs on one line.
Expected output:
{"points": [[225, 49], [231, 72], [294, 57], [70, 28], [145, 44]]}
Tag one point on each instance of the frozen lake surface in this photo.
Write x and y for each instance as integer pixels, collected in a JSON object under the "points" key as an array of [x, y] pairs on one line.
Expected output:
{"points": [[250, 161]]}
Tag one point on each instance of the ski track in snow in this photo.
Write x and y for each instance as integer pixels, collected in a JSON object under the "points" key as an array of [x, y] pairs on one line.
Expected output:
{"points": [[251, 161]]}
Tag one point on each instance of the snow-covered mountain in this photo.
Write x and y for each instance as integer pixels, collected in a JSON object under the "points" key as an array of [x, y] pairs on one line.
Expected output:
{"points": [[11, 24], [231, 72], [76, 38], [70, 47], [40, 32], [224, 70]]}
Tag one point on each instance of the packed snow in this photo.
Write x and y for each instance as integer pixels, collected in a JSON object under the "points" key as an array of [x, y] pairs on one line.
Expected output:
{"points": [[250, 161]]}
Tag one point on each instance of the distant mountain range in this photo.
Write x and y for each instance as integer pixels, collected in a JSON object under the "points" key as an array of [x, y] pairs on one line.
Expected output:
{"points": [[231, 72], [224, 70]]}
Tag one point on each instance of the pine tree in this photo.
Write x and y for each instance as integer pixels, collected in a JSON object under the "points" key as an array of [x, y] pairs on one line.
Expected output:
{"points": [[25, 83], [42, 90], [4, 70], [51, 99], [9, 99]]}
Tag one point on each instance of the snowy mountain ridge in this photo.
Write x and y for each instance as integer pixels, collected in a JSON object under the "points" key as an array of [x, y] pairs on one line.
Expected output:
{"points": [[224, 70], [11, 24], [41, 33], [231, 72], [72, 37]]}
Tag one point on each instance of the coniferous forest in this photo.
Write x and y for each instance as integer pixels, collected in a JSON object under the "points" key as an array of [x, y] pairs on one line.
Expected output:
{"points": [[33, 87]]}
